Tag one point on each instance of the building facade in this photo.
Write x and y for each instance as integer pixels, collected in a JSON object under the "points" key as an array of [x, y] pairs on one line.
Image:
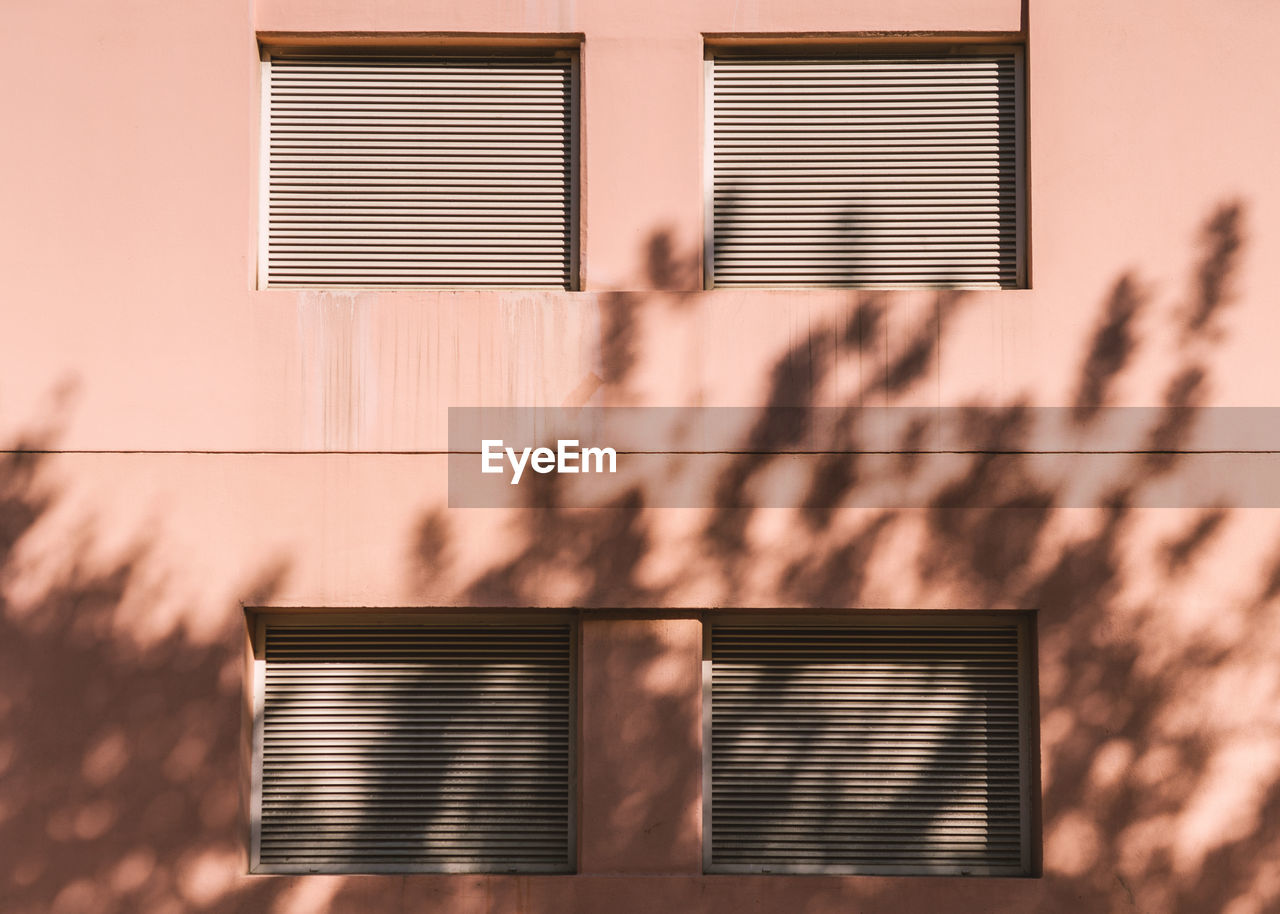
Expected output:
{"points": [[940, 570]]}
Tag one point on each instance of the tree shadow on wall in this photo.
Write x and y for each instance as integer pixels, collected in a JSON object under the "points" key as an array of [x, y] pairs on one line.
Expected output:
{"points": [[115, 790], [1133, 752], [1154, 726]]}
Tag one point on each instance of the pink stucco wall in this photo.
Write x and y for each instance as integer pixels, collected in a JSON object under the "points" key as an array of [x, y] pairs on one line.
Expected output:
{"points": [[181, 446]]}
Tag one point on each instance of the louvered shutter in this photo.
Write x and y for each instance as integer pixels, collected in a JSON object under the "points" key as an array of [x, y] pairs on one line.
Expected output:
{"points": [[415, 748], [866, 171], [868, 749], [413, 171]]}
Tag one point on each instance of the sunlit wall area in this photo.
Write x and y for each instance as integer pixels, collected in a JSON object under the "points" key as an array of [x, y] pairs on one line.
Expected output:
{"points": [[941, 565]]}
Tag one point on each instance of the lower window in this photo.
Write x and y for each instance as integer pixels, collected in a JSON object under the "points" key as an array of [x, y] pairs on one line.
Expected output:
{"points": [[399, 745], [876, 746]]}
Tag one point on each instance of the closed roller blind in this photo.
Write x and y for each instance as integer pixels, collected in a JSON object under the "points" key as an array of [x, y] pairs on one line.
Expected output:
{"points": [[412, 171], [866, 749], [390, 749], [867, 171]]}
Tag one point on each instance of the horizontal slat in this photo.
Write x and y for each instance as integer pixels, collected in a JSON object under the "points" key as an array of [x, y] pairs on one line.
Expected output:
{"points": [[376, 173], [320, 145], [416, 281], [406, 271], [375, 192], [970, 773], [411, 788], [906, 807]]}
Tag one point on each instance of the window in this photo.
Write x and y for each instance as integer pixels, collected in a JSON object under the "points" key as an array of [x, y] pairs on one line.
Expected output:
{"points": [[881, 746], [866, 169], [404, 746], [418, 171]]}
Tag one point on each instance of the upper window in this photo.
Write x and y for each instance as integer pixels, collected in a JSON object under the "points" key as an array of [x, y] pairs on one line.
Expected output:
{"points": [[418, 171], [385, 746], [878, 747], [866, 170]]}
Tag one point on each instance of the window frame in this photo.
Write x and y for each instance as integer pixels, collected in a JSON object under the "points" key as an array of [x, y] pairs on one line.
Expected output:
{"points": [[258, 620], [564, 47], [1028, 726], [739, 48]]}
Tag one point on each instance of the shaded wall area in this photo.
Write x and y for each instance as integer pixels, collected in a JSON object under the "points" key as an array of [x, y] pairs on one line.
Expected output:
{"points": [[124, 738]]}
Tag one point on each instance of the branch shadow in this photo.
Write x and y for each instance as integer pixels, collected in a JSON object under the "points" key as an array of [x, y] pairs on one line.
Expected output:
{"points": [[996, 532], [118, 751], [110, 740]]}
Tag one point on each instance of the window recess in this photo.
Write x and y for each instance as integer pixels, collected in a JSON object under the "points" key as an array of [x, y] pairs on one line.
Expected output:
{"points": [[388, 746], [414, 170], [868, 747], [866, 168]]}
